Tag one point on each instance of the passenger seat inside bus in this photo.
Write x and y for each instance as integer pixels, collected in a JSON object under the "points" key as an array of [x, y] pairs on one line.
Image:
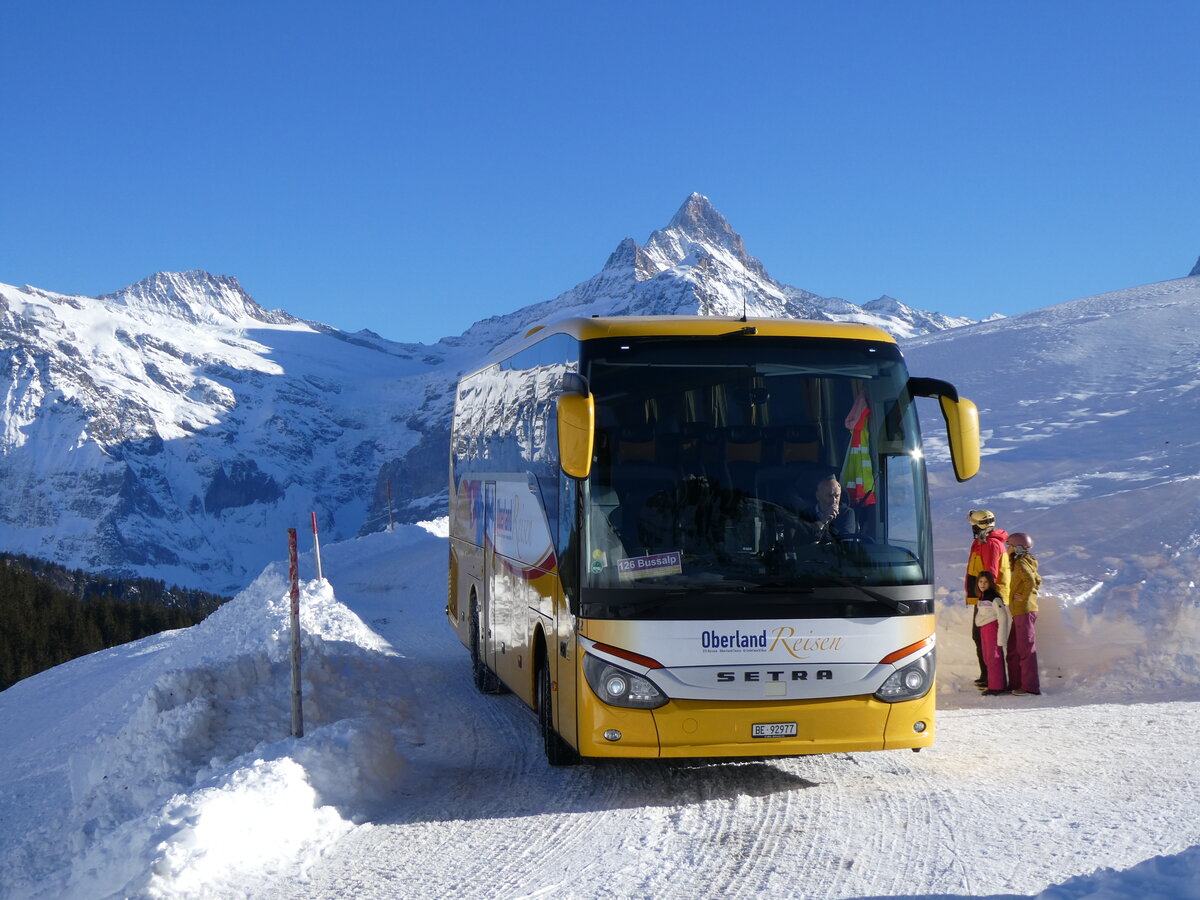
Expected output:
{"points": [[743, 458], [645, 488], [791, 476]]}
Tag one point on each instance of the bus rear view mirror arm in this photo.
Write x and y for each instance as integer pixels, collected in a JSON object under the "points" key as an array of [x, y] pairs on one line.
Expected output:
{"points": [[962, 423], [574, 383]]}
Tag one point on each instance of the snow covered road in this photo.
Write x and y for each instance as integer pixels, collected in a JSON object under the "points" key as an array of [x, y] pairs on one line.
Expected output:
{"points": [[1015, 795], [1007, 802]]}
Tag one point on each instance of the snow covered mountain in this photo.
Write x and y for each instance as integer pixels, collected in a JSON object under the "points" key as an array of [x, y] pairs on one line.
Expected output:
{"points": [[175, 429], [181, 411]]}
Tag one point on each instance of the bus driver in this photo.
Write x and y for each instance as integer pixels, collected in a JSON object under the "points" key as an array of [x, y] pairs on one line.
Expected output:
{"points": [[825, 517]]}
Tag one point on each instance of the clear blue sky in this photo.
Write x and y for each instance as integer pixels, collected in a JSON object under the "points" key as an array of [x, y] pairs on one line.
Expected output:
{"points": [[411, 168]]}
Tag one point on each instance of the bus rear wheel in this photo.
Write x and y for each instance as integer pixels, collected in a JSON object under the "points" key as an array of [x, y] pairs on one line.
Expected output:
{"points": [[558, 751]]}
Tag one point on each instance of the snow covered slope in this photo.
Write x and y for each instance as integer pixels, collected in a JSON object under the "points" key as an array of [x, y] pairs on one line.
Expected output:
{"points": [[176, 429], [1090, 413], [1091, 420]]}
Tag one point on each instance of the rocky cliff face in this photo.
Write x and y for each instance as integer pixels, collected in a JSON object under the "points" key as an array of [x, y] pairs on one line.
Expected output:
{"points": [[175, 429]]}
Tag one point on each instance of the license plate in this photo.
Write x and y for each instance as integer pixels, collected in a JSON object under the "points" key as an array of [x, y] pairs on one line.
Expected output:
{"points": [[773, 729]]}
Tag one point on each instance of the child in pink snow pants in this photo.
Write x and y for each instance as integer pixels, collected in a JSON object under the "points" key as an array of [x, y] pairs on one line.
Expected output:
{"points": [[991, 615]]}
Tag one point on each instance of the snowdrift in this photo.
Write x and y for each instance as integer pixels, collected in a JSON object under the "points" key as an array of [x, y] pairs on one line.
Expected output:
{"points": [[183, 779]]}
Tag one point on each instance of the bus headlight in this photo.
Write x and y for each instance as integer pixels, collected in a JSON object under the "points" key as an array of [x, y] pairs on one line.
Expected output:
{"points": [[618, 687], [910, 682]]}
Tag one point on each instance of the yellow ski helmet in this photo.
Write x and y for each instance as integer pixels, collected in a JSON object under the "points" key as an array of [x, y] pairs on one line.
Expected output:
{"points": [[982, 518]]}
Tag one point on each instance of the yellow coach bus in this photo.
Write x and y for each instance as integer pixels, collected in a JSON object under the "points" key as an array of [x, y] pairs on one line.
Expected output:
{"points": [[700, 537]]}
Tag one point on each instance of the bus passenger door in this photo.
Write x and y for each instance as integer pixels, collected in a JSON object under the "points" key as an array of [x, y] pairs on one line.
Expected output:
{"points": [[562, 667], [488, 604]]}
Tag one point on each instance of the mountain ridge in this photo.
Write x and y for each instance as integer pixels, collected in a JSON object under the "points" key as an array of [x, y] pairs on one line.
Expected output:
{"points": [[195, 296], [167, 429]]}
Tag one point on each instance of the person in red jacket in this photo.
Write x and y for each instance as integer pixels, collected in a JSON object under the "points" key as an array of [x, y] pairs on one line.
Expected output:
{"points": [[987, 555]]}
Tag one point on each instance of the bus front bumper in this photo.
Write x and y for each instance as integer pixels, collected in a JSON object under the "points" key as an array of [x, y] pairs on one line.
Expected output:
{"points": [[701, 728]]}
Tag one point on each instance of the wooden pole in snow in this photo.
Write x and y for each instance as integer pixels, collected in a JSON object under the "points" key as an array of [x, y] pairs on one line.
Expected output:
{"points": [[294, 575]]}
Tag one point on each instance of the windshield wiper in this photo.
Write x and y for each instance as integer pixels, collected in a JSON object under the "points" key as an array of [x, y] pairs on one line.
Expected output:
{"points": [[777, 587], [646, 604], [898, 605]]}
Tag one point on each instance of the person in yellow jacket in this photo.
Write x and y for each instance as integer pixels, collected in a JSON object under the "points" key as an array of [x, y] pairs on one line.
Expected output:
{"points": [[1023, 604], [987, 555]]}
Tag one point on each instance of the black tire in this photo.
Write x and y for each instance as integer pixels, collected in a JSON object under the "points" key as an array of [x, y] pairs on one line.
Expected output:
{"points": [[486, 681], [558, 751]]}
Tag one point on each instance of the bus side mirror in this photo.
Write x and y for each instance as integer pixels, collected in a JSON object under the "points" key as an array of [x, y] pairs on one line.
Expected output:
{"points": [[576, 433], [962, 423], [962, 427]]}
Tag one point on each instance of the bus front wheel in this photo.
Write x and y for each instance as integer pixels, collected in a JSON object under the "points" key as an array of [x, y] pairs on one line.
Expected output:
{"points": [[558, 751]]}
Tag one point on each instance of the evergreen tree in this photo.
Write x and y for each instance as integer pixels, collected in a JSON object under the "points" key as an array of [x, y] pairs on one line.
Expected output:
{"points": [[50, 614]]}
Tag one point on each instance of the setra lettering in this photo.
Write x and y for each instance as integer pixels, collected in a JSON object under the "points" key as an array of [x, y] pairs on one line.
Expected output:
{"points": [[752, 676]]}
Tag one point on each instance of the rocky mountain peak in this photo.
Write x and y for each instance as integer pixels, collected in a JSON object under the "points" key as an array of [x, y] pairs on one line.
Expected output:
{"points": [[698, 230], [1195, 269], [629, 255], [699, 218], [194, 296]]}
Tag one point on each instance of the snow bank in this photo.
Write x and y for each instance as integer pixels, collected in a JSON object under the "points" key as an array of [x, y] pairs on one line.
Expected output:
{"points": [[191, 781], [1161, 878], [1133, 637]]}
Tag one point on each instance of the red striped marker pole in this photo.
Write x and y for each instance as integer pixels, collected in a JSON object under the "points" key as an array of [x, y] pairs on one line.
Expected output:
{"points": [[317, 547], [294, 577]]}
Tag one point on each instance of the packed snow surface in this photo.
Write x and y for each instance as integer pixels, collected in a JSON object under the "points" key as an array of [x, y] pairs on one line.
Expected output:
{"points": [[164, 768]]}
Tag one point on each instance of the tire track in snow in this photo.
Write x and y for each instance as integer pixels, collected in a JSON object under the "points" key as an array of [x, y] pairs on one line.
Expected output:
{"points": [[479, 797], [725, 820], [822, 855], [900, 805]]}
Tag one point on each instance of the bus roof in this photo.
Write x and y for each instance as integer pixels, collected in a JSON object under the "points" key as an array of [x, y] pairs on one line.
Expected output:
{"points": [[631, 326], [586, 329]]}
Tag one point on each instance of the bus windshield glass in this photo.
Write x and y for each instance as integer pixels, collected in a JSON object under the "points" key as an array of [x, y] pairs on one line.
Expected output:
{"points": [[752, 464]]}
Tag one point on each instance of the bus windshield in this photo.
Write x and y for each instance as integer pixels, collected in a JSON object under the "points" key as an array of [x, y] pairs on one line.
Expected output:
{"points": [[757, 464]]}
